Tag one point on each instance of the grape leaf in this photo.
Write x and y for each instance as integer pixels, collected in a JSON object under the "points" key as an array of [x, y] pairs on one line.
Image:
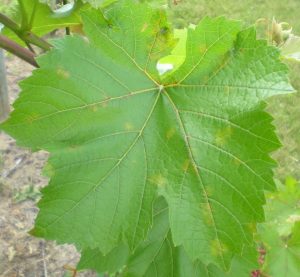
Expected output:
{"points": [[119, 135], [157, 256]]}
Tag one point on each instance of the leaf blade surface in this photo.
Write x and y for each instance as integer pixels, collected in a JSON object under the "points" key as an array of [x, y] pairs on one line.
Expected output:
{"points": [[119, 135]]}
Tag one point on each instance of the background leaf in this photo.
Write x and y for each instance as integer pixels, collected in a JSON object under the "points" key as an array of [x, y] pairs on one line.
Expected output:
{"points": [[291, 48], [41, 20], [280, 235]]}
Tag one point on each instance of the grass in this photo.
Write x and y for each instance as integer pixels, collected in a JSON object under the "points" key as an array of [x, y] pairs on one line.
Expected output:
{"points": [[285, 109]]}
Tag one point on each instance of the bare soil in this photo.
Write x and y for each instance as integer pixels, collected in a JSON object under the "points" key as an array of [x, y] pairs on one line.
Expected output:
{"points": [[20, 181]]}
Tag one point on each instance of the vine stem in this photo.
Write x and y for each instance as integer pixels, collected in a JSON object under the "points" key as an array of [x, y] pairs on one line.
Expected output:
{"points": [[26, 36], [36, 40], [21, 52], [6, 21]]}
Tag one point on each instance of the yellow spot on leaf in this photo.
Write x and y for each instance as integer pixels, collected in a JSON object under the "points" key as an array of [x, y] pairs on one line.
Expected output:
{"points": [[206, 213], [186, 165], [209, 191], [196, 169], [252, 227], [104, 104], [144, 27], [48, 170], [226, 90], [155, 56], [128, 126], [202, 49], [205, 79], [223, 136], [236, 162], [159, 180], [218, 248], [170, 133], [30, 119], [63, 73], [94, 108]]}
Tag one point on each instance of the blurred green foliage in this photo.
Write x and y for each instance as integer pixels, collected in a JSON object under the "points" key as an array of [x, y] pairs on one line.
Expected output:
{"points": [[279, 236], [6, 5]]}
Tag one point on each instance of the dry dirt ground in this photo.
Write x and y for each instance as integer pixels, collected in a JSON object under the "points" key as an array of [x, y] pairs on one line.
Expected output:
{"points": [[20, 180]]}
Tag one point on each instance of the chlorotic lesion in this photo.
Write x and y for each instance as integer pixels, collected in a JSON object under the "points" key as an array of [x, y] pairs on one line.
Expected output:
{"points": [[48, 170], [223, 136], [31, 118], [104, 104], [128, 126], [144, 28], [94, 108], [236, 162], [186, 165], [203, 49], [170, 133], [63, 73], [218, 248], [206, 214], [251, 226], [210, 191], [158, 180], [226, 90]]}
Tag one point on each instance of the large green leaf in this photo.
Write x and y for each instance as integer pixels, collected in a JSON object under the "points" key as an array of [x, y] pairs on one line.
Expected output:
{"points": [[119, 136], [157, 256]]}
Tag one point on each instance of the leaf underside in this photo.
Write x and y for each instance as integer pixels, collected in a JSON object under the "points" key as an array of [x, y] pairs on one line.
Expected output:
{"points": [[120, 135]]}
